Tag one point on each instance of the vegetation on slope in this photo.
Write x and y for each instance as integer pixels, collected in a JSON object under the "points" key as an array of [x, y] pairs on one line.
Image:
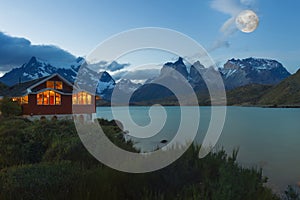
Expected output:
{"points": [[46, 160], [285, 93], [247, 95]]}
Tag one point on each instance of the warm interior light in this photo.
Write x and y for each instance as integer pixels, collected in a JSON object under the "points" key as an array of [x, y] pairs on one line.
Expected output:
{"points": [[82, 98]]}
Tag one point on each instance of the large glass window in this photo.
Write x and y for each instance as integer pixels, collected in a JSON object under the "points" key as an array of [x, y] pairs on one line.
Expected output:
{"points": [[82, 98], [48, 98]]}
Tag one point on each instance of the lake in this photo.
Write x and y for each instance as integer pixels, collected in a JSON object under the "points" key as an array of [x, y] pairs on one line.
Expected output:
{"points": [[266, 137]]}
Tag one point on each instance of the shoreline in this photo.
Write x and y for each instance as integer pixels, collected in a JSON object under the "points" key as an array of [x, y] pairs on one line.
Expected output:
{"points": [[172, 105]]}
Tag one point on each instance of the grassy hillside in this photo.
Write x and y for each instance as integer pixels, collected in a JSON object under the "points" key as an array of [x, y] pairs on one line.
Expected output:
{"points": [[244, 95], [285, 93], [247, 95]]}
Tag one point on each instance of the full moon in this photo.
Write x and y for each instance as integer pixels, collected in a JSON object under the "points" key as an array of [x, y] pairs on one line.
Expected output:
{"points": [[247, 21]]}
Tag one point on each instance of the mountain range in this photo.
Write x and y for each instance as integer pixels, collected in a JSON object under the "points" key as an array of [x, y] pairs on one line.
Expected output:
{"points": [[235, 73], [247, 81], [252, 71]]}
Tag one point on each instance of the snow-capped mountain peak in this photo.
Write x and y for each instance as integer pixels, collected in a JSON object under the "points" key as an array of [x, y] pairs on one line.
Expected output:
{"points": [[254, 63], [127, 85], [37, 68], [237, 72]]}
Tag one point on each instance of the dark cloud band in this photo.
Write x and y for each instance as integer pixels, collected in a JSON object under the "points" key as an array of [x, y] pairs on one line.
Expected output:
{"points": [[16, 51]]}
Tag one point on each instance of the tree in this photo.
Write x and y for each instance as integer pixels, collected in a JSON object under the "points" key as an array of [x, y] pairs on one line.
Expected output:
{"points": [[9, 108]]}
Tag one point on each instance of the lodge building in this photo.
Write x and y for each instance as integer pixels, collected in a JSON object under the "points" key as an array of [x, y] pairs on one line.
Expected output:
{"points": [[53, 96]]}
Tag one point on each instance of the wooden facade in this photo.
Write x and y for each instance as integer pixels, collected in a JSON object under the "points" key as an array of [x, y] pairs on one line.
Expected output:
{"points": [[53, 95]]}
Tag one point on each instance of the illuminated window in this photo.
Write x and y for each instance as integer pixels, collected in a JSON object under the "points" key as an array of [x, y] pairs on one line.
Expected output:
{"points": [[57, 99], [48, 98], [55, 85], [74, 98], [82, 98], [21, 100], [50, 84], [58, 85], [24, 100], [15, 99], [39, 98], [52, 98], [89, 99]]}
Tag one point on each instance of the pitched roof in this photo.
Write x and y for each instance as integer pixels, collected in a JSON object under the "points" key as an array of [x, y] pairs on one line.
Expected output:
{"points": [[49, 77], [22, 89]]}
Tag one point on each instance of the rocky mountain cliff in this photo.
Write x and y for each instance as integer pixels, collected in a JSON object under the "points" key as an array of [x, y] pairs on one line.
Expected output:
{"points": [[235, 73], [238, 72]]}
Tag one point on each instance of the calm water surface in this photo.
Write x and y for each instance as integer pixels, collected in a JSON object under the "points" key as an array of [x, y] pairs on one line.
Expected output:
{"points": [[266, 137]]}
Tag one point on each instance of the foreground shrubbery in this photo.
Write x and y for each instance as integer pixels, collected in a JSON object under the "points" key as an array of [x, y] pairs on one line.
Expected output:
{"points": [[9, 108], [46, 160]]}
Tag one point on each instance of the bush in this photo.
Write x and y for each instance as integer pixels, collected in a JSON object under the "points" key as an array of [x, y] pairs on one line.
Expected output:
{"points": [[52, 163], [291, 193], [215, 177], [39, 181], [14, 142], [70, 149], [10, 108]]}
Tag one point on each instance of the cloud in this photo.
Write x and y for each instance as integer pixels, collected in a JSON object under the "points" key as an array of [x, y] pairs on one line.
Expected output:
{"points": [[15, 51], [114, 66], [106, 66], [232, 8], [138, 75], [218, 44], [248, 2], [227, 28]]}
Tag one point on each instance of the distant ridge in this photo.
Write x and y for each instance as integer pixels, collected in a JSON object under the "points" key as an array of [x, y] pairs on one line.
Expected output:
{"points": [[285, 93], [247, 95], [247, 71], [235, 73]]}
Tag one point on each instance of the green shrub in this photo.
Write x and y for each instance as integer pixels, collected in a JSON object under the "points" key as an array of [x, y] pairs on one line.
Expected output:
{"points": [[10, 108], [39, 181], [14, 142], [70, 149], [215, 177], [291, 193], [52, 163]]}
